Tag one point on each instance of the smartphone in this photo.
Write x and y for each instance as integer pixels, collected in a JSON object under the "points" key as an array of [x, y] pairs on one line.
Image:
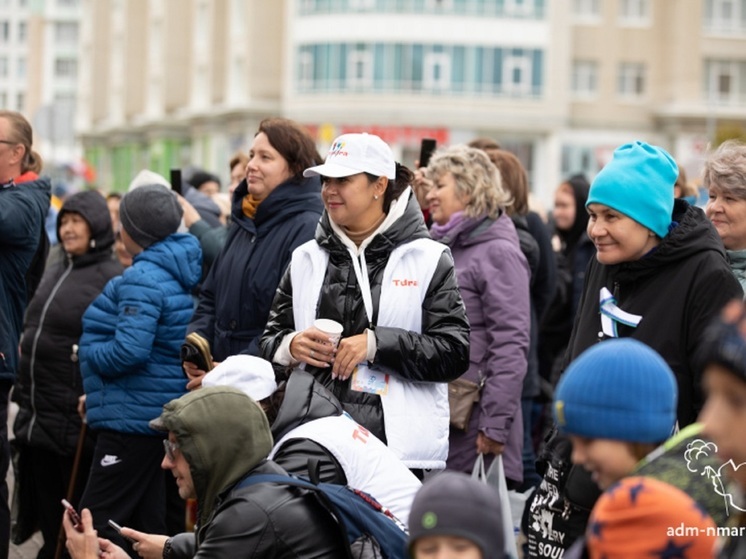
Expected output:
{"points": [[118, 528], [176, 180], [427, 147], [74, 516]]}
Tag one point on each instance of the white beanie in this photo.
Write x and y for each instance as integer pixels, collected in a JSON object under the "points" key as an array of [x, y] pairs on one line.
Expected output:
{"points": [[252, 375]]}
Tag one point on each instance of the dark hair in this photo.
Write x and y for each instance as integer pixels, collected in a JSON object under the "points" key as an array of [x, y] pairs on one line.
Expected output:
{"points": [[404, 177], [293, 142], [515, 179], [113, 196], [21, 133], [272, 403]]}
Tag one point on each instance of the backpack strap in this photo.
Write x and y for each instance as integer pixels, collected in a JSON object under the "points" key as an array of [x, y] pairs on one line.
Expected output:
{"points": [[321, 497]]}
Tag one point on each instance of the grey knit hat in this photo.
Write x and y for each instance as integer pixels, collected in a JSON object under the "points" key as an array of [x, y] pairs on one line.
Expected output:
{"points": [[149, 214], [454, 504]]}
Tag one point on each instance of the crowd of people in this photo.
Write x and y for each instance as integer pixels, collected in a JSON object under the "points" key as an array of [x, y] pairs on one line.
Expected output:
{"points": [[172, 350]]}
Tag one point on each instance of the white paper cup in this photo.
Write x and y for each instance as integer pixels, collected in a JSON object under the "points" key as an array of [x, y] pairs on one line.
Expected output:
{"points": [[330, 327]]}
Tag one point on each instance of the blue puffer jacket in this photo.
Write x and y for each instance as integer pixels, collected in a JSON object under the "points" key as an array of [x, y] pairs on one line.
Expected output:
{"points": [[22, 212], [132, 333]]}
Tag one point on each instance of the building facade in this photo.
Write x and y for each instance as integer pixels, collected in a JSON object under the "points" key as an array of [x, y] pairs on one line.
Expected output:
{"points": [[174, 83]]}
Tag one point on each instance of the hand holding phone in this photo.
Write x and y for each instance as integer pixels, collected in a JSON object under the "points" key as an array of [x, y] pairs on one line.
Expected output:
{"points": [[118, 528], [73, 514]]}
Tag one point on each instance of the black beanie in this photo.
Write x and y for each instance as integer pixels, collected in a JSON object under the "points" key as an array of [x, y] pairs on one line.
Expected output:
{"points": [[454, 504], [149, 214]]}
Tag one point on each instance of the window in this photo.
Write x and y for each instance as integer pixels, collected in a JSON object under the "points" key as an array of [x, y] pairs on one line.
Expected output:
{"points": [[585, 78], [725, 16], [3, 68], [4, 31], [519, 8], [20, 102], [66, 33], [725, 81], [359, 68], [67, 3], [586, 9], [437, 71], [439, 5], [634, 12], [21, 67], [631, 82], [66, 68], [22, 31], [3, 99], [362, 4], [516, 75], [305, 69]]}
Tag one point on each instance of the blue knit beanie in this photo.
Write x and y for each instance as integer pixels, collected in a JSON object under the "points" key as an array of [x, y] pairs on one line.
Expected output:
{"points": [[638, 182], [619, 389]]}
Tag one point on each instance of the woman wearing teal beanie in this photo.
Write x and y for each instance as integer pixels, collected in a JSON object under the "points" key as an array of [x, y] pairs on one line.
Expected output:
{"points": [[660, 276]]}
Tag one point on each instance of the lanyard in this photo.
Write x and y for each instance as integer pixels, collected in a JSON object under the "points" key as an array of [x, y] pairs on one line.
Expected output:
{"points": [[361, 272]]}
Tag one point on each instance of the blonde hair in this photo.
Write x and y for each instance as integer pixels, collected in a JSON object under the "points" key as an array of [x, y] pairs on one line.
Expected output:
{"points": [[725, 168], [478, 182], [21, 133]]}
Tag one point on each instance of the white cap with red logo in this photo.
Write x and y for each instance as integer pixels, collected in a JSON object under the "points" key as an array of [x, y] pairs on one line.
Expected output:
{"points": [[351, 154]]}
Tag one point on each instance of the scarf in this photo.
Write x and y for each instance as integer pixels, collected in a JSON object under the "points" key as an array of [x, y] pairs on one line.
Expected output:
{"points": [[437, 231], [249, 204]]}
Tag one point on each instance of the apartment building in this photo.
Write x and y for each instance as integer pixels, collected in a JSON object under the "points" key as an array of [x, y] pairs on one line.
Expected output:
{"points": [[169, 83], [14, 48]]}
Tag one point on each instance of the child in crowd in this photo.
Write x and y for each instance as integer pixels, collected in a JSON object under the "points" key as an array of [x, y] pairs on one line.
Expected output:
{"points": [[643, 517], [130, 364], [723, 355], [617, 402], [457, 517]]}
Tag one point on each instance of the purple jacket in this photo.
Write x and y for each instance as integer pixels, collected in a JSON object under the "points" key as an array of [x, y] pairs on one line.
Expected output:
{"points": [[493, 277]]}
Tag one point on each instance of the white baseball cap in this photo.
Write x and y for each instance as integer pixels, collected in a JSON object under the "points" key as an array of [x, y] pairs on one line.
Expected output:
{"points": [[351, 154], [252, 375]]}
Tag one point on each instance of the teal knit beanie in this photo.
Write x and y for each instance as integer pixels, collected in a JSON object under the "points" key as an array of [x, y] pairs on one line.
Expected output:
{"points": [[618, 389], [638, 182]]}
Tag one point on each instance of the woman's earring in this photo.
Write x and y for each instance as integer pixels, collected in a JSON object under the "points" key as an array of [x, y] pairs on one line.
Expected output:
{"points": [[375, 197], [93, 243]]}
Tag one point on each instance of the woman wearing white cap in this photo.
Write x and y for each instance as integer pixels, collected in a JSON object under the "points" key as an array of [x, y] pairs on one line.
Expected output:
{"points": [[373, 268]]}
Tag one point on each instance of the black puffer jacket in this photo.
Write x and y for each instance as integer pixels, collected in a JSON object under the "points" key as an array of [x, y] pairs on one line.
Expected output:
{"points": [[306, 400], [236, 296], [439, 354], [49, 383], [677, 289]]}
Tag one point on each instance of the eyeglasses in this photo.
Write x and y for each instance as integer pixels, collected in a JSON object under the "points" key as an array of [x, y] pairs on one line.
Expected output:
{"points": [[170, 448]]}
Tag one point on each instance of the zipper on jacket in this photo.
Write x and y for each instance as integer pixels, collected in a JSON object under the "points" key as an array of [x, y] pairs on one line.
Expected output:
{"points": [[34, 344]]}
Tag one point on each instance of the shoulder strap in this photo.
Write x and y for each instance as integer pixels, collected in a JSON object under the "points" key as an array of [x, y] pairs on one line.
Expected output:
{"points": [[322, 498]]}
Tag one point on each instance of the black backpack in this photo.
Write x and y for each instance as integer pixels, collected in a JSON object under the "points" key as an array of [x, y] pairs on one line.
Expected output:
{"points": [[372, 531]]}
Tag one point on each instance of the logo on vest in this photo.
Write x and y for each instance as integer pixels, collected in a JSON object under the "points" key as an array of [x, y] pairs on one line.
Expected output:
{"points": [[405, 283]]}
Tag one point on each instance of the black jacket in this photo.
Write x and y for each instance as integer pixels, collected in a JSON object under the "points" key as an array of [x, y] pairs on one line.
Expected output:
{"points": [[236, 296], [265, 520], [439, 354], [306, 400], [677, 289], [49, 383]]}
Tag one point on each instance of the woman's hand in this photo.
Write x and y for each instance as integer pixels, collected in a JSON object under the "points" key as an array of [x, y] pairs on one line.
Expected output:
{"points": [[351, 351], [486, 445], [191, 215], [314, 347], [147, 546], [421, 186], [81, 408], [194, 374]]}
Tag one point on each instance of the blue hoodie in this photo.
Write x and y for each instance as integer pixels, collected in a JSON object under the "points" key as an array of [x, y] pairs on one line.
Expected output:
{"points": [[132, 334]]}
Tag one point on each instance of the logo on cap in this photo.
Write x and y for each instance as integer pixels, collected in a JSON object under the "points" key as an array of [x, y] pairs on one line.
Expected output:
{"points": [[337, 150]]}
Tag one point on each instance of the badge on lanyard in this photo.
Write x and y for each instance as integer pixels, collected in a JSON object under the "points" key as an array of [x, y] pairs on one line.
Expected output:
{"points": [[372, 381]]}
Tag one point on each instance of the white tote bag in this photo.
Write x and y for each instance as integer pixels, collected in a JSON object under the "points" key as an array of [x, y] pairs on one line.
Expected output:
{"points": [[496, 477]]}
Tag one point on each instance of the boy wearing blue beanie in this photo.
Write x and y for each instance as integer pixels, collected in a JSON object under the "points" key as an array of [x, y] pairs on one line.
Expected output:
{"points": [[617, 402]]}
